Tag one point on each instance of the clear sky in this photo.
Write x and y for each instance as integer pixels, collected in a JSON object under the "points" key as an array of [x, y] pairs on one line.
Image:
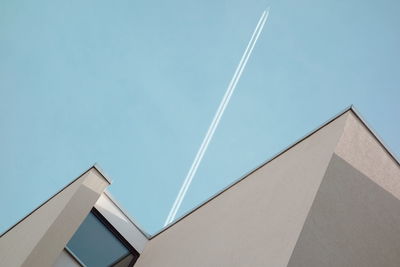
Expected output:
{"points": [[133, 86]]}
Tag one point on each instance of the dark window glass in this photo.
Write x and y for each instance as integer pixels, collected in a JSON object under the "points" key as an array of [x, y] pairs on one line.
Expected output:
{"points": [[96, 245]]}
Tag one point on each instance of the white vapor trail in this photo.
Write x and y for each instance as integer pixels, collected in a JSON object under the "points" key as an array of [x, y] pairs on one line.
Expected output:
{"points": [[217, 118]]}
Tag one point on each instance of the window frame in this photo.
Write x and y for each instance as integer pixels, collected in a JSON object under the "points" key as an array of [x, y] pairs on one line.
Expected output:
{"points": [[131, 250]]}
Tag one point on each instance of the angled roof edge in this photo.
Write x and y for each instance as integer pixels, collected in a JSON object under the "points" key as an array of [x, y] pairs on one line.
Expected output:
{"points": [[97, 168], [374, 134], [349, 108], [133, 221]]}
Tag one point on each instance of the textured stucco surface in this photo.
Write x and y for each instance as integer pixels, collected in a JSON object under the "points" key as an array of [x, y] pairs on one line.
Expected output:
{"points": [[362, 150], [353, 222], [39, 239], [257, 221]]}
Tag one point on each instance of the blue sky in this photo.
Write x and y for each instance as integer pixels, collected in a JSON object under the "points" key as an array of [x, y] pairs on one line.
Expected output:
{"points": [[133, 86]]}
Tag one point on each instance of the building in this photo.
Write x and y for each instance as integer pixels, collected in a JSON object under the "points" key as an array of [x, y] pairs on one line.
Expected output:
{"points": [[330, 199]]}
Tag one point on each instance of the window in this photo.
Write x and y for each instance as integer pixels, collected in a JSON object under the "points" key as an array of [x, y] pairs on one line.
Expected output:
{"points": [[96, 243]]}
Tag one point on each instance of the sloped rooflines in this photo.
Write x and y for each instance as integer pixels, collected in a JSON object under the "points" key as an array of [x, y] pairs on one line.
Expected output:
{"points": [[106, 177]]}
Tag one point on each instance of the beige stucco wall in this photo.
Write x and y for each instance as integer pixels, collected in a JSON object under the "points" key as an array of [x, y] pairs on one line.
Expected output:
{"points": [[353, 222], [363, 151], [355, 218], [39, 238], [257, 221]]}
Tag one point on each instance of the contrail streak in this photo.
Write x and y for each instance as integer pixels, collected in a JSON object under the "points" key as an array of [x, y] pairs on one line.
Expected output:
{"points": [[217, 118]]}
